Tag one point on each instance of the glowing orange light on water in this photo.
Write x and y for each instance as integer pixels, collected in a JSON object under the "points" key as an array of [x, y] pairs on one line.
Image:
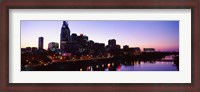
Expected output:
{"points": [[97, 66], [108, 65], [118, 68], [102, 65]]}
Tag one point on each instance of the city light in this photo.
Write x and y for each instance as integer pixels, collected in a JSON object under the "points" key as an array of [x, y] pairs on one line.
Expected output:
{"points": [[80, 53]]}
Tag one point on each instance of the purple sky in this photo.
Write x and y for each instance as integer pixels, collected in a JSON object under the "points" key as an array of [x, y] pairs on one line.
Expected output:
{"points": [[161, 35]]}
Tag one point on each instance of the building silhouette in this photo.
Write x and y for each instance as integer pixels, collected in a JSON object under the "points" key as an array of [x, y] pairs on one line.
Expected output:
{"points": [[40, 43], [64, 36], [149, 50], [72, 43], [53, 46], [80, 45], [134, 51], [74, 38], [112, 43], [125, 47]]}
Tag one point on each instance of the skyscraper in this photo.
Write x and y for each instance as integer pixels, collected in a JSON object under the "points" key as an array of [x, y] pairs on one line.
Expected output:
{"points": [[40, 43], [112, 43], [74, 38], [64, 36]]}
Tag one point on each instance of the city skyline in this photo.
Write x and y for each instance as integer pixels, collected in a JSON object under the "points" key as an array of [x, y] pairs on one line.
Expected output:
{"points": [[161, 35]]}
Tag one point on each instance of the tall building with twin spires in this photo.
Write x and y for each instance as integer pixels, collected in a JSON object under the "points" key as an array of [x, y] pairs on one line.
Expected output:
{"points": [[64, 36]]}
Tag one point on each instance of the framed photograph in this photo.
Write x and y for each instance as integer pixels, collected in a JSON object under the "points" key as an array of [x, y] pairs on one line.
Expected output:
{"points": [[101, 45]]}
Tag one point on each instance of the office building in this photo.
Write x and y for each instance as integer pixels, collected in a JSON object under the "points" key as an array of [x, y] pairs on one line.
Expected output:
{"points": [[40, 43], [53, 46], [134, 51], [112, 42], [64, 36], [74, 38], [149, 50]]}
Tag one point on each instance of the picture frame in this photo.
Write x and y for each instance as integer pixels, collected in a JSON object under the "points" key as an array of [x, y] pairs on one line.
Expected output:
{"points": [[99, 4]]}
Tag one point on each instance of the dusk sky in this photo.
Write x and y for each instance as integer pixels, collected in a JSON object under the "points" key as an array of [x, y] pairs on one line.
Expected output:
{"points": [[161, 35]]}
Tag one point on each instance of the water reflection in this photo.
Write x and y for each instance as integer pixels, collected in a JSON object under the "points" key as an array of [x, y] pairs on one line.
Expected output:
{"points": [[168, 64], [148, 66]]}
